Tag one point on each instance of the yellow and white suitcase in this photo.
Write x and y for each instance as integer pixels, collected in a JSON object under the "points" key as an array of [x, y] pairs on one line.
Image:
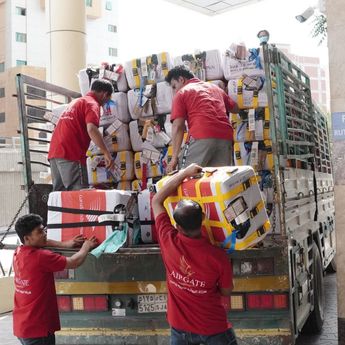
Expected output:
{"points": [[116, 139], [235, 214], [138, 185], [123, 169], [239, 61], [251, 124], [145, 167], [206, 65], [257, 154], [148, 70], [248, 92]]}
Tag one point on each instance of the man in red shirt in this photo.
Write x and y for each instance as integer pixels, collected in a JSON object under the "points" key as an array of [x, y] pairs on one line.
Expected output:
{"points": [[197, 273], [35, 313], [205, 107], [71, 138]]}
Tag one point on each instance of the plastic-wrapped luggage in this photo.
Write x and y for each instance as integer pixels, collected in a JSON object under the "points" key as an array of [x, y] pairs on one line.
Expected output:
{"points": [[141, 102], [116, 108], [238, 61], [148, 70], [251, 124], [72, 213], [206, 65], [114, 73], [54, 115], [248, 92], [139, 185], [235, 214], [257, 154], [164, 98], [122, 171], [116, 139], [147, 222]]}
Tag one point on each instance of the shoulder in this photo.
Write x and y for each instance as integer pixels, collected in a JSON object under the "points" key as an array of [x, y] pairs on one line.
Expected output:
{"points": [[163, 219]]}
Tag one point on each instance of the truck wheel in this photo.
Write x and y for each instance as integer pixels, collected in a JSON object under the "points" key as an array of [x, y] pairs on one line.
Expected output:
{"points": [[316, 318], [332, 267]]}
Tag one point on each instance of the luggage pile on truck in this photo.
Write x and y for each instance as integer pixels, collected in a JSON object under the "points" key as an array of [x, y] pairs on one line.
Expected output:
{"points": [[136, 128]]}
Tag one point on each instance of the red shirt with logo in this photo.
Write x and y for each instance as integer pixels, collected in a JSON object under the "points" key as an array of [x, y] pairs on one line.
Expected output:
{"points": [[195, 271], [35, 312], [70, 139], [204, 106]]}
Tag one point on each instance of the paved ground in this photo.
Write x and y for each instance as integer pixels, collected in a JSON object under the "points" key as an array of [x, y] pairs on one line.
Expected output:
{"points": [[328, 336]]}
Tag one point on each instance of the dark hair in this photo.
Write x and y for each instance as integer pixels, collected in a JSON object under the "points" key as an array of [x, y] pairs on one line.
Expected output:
{"points": [[188, 214], [179, 71], [26, 224], [100, 85]]}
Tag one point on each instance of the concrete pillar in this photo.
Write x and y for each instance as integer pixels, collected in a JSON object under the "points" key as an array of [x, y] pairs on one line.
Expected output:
{"points": [[67, 41], [335, 11]]}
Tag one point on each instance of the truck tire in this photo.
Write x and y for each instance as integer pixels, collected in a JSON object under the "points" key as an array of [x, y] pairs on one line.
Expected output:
{"points": [[316, 318], [332, 267]]}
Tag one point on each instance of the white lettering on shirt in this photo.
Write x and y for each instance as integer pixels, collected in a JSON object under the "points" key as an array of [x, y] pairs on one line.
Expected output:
{"points": [[187, 283]]}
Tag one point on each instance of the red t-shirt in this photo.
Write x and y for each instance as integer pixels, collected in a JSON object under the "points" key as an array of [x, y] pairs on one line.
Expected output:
{"points": [[205, 107], [35, 312], [195, 270], [70, 139]]}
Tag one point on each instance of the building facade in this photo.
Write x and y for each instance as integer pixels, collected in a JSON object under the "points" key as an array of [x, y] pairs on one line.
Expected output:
{"points": [[24, 46]]}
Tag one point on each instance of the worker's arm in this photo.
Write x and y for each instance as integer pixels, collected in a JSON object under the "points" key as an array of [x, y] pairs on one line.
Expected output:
{"points": [[170, 186], [97, 138], [78, 258], [178, 129], [75, 242]]}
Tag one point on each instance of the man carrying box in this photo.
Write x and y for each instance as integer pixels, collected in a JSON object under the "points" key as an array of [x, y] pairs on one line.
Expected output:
{"points": [[197, 273]]}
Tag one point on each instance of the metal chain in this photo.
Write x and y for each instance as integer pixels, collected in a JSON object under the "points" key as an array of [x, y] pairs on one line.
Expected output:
{"points": [[16, 215]]}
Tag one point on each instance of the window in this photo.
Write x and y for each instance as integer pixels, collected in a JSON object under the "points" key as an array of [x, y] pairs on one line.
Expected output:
{"points": [[88, 3], [2, 66], [21, 11], [2, 117], [2, 142], [21, 62], [34, 91], [112, 51], [2, 92], [108, 5], [112, 28], [20, 37], [42, 135], [35, 112]]}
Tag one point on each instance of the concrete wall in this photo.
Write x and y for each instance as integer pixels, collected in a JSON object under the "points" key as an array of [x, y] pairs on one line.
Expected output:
{"points": [[335, 10]]}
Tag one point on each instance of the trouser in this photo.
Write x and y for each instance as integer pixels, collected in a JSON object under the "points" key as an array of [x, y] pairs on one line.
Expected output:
{"points": [[68, 175], [206, 153], [49, 340], [187, 338]]}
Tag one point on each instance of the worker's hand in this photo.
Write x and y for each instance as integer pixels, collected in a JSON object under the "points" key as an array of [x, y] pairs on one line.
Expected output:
{"points": [[75, 242], [90, 243], [172, 165], [109, 162], [192, 170]]}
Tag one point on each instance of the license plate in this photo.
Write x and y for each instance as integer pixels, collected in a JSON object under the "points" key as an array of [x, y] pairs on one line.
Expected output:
{"points": [[153, 303]]}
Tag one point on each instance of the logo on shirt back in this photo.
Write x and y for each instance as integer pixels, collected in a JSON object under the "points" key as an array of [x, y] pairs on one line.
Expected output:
{"points": [[185, 267]]}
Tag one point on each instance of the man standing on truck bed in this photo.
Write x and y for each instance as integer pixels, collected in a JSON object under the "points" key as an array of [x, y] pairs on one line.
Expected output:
{"points": [[35, 313], [197, 273], [71, 138], [205, 107]]}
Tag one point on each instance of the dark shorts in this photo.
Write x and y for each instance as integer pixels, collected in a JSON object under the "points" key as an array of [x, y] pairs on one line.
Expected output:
{"points": [[49, 340], [187, 338]]}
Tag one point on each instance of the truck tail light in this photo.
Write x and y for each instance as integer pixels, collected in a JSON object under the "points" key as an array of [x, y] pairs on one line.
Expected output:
{"points": [[236, 302], [64, 303], [267, 301], [90, 303]]}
